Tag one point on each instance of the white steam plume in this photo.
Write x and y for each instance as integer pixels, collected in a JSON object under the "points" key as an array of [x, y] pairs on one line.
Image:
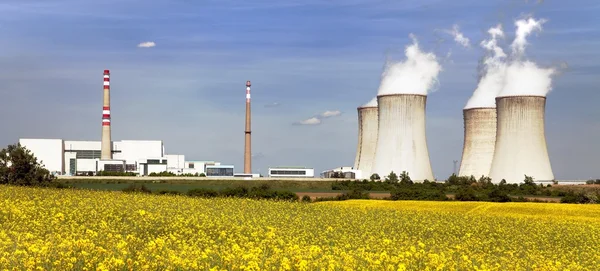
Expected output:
{"points": [[493, 72], [459, 37], [524, 77], [524, 28], [416, 75], [371, 103]]}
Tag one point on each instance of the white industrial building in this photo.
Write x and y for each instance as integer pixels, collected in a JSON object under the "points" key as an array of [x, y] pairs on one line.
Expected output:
{"points": [[291, 172], [142, 157]]}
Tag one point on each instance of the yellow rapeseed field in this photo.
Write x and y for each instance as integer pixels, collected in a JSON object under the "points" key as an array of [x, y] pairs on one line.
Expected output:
{"points": [[89, 230]]}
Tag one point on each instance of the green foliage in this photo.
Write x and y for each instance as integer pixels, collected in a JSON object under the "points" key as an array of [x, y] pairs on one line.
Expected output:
{"points": [[466, 195], [137, 188], [596, 181], [498, 195], [18, 166], [203, 193], [572, 197], [374, 177], [306, 198], [162, 174], [392, 178], [168, 192], [115, 173], [404, 178], [260, 192]]}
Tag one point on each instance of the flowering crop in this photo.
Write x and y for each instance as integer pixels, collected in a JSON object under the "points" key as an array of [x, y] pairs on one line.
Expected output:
{"points": [[92, 230]]}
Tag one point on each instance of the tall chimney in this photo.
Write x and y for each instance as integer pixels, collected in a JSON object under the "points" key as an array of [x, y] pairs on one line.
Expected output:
{"points": [[247, 151], [106, 152]]}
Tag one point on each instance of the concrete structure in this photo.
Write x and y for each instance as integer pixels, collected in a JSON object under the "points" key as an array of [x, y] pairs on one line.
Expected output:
{"points": [[345, 172], [401, 138], [291, 172], [479, 141], [106, 152], [248, 134], [68, 157], [367, 139], [520, 140], [49, 152]]}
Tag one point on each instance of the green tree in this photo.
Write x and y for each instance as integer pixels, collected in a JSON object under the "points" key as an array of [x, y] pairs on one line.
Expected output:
{"points": [[404, 178], [374, 177], [18, 166], [392, 178]]}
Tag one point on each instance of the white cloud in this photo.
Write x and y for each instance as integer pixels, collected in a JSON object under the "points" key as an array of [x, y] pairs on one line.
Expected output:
{"points": [[328, 114], [311, 121], [147, 44]]}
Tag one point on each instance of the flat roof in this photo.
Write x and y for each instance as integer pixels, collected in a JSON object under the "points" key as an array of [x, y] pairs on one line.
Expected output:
{"points": [[290, 168]]}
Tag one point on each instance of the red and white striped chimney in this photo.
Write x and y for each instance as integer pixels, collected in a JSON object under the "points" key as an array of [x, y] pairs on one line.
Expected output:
{"points": [[106, 149]]}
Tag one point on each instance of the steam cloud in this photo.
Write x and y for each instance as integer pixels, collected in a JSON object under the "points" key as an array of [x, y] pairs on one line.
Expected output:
{"points": [[371, 103], [459, 37], [416, 75], [493, 72], [524, 77], [512, 75]]}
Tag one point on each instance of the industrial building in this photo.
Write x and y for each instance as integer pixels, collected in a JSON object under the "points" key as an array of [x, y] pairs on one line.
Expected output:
{"points": [[520, 147], [367, 138], [343, 172], [479, 141], [291, 172], [401, 138], [142, 157]]}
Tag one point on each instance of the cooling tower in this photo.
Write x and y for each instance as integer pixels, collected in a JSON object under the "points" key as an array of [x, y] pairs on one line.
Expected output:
{"points": [[479, 142], [367, 139], [106, 148], [520, 140], [401, 140]]}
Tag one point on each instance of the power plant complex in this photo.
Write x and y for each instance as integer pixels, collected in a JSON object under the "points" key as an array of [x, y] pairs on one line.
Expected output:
{"points": [[504, 128]]}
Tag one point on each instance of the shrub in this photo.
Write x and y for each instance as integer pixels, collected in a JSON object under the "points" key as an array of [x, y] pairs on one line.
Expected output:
{"points": [[306, 198], [202, 193], [497, 195], [572, 197], [168, 192], [467, 194], [113, 173], [137, 188]]}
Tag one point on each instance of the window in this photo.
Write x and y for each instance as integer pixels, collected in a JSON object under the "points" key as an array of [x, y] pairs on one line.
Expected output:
{"points": [[153, 161], [219, 171], [288, 172], [131, 167], [113, 168], [86, 154], [191, 165]]}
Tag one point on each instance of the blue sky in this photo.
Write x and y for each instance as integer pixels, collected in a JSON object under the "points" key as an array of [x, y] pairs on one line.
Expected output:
{"points": [[307, 57]]}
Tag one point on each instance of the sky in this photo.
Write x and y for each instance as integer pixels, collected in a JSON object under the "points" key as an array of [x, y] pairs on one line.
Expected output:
{"points": [[179, 67]]}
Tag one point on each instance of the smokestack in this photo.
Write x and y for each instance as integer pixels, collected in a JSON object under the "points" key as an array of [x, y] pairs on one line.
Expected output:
{"points": [[106, 148], [367, 139], [401, 140], [247, 150], [479, 142], [520, 140]]}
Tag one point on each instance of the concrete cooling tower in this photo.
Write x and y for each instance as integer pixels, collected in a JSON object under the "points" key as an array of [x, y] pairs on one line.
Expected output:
{"points": [[479, 142], [401, 140], [520, 140], [367, 139]]}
